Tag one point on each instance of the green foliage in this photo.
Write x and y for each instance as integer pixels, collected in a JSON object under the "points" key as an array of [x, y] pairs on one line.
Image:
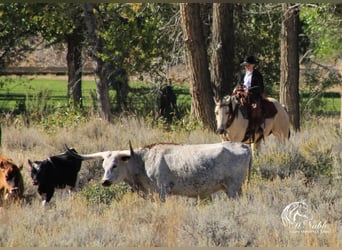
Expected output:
{"points": [[64, 116], [15, 30], [38, 105], [95, 193], [317, 79], [134, 35], [257, 31], [322, 25], [188, 123], [57, 20], [319, 104]]}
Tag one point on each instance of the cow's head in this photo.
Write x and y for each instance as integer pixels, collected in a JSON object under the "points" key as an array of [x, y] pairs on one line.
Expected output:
{"points": [[115, 165], [120, 166], [37, 171], [12, 176]]}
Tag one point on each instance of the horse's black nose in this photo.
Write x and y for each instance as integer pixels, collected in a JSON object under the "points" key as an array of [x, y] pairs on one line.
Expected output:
{"points": [[220, 131]]}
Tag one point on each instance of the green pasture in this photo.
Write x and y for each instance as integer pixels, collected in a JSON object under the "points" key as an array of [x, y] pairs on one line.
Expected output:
{"points": [[21, 91], [14, 91], [327, 103]]}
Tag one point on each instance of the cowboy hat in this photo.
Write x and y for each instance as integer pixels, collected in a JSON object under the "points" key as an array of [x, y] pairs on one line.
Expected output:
{"points": [[249, 60]]}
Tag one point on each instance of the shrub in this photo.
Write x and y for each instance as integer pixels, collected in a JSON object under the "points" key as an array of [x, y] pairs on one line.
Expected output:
{"points": [[95, 193], [64, 116], [311, 155]]}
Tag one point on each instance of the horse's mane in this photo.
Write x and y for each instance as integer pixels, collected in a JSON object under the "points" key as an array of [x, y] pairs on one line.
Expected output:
{"points": [[223, 101]]}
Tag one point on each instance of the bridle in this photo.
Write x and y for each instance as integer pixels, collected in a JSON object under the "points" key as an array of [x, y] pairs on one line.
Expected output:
{"points": [[232, 114]]}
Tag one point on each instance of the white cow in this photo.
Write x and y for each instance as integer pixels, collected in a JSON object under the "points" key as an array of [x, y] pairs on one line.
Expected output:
{"points": [[188, 170]]}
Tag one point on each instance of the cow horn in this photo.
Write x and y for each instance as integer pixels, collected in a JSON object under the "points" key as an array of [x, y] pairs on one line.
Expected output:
{"points": [[85, 156], [131, 148]]}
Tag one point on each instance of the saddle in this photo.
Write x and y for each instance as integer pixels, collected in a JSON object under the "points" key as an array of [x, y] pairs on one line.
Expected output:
{"points": [[255, 109]]}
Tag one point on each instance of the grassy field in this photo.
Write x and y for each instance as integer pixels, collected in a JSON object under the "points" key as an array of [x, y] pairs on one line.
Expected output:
{"points": [[17, 90], [27, 91], [306, 168], [309, 164]]}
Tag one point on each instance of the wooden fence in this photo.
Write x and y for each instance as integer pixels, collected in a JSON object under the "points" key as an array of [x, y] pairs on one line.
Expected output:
{"points": [[40, 71]]}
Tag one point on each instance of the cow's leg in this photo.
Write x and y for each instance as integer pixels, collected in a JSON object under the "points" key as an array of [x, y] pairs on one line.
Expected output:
{"points": [[233, 189], [76, 185], [168, 187], [49, 194], [163, 189], [162, 192]]}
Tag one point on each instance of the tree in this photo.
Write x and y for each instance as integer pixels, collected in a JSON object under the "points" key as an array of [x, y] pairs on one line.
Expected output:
{"points": [[75, 43], [321, 29], [256, 32], [26, 24], [201, 89], [74, 62], [289, 65], [95, 50], [137, 38], [16, 32], [222, 63], [64, 23]]}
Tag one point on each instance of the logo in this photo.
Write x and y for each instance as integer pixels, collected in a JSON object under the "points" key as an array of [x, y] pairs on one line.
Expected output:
{"points": [[298, 217]]}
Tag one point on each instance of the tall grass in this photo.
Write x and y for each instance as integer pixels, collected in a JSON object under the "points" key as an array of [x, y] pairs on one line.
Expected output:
{"points": [[115, 217]]}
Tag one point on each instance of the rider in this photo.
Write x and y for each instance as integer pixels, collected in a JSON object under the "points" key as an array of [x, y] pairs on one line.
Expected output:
{"points": [[253, 85], [251, 78]]}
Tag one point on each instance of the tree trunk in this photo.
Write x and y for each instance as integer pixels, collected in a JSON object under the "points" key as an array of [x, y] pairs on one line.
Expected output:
{"points": [[341, 106], [74, 61], [118, 79], [289, 64], [100, 72], [201, 89], [222, 63]]}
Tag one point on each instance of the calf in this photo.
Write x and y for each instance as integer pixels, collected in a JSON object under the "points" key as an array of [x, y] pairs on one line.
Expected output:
{"points": [[11, 180], [55, 172]]}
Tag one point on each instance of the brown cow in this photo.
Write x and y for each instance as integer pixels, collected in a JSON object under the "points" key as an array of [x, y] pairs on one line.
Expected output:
{"points": [[11, 180]]}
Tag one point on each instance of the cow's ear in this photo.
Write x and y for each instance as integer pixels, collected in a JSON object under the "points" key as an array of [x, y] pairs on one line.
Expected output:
{"points": [[29, 165]]}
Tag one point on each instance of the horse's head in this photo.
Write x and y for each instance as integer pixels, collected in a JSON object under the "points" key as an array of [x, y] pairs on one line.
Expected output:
{"points": [[225, 113]]}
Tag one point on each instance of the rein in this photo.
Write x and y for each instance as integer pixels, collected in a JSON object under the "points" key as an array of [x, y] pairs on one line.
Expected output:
{"points": [[232, 113]]}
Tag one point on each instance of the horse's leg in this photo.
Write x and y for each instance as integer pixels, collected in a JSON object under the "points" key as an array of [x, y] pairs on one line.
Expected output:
{"points": [[255, 148]]}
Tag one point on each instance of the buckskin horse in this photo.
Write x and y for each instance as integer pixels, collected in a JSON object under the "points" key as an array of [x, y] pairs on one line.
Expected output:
{"points": [[232, 123]]}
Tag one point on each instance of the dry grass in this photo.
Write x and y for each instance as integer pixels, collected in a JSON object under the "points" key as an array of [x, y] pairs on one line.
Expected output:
{"points": [[252, 220]]}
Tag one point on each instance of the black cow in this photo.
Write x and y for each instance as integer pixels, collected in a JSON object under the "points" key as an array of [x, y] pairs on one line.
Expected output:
{"points": [[55, 172]]}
